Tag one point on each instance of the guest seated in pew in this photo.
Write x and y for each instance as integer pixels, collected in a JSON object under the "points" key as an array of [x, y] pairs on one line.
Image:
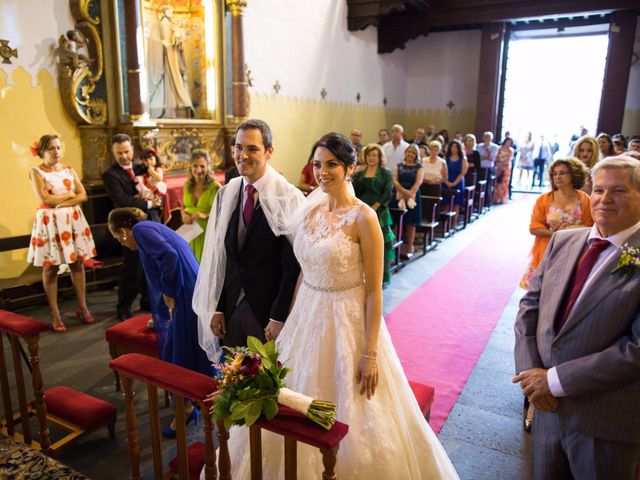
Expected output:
{"points": [[171, 270], [457, 168], [60, 232], [345, 354], [587, 151], [199, 192], [407, 179], [565, 206], [373, 186], [307, 182]]}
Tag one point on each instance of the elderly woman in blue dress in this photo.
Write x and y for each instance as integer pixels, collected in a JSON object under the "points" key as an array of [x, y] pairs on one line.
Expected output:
{"points": [[171, 269]]}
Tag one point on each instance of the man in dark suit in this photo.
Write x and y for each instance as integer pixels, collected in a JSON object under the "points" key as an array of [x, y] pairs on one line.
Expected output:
{"points": [[577, 346], [261, 270], [120, 183]]}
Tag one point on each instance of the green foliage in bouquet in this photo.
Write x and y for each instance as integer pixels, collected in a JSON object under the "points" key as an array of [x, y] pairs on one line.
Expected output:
{"points": [[248, 381]]}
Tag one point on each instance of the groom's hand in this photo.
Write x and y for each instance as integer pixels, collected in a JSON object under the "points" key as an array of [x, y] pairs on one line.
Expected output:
{"points": [[272, 330], [218, 325]]}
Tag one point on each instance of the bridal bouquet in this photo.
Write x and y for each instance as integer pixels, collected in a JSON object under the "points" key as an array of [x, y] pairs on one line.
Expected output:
{"points": [[250, 383]]}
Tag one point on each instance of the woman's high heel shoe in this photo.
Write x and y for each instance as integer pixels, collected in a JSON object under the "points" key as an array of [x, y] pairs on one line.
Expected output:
{"points": [[56, 324], [84, 315], [168, 432]]}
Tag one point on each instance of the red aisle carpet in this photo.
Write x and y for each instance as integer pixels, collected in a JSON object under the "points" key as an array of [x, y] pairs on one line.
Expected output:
{"points": [[440, 330]]}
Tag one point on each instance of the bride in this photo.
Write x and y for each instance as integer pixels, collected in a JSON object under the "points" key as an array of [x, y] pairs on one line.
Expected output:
{"points": [[339, 349]]}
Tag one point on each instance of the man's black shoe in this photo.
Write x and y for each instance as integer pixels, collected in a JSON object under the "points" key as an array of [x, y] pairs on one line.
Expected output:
{"points": [[122, 316]]}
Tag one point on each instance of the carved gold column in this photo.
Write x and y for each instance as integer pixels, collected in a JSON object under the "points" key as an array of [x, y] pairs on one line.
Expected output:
{"points": [[137, 104], [238, 75]]}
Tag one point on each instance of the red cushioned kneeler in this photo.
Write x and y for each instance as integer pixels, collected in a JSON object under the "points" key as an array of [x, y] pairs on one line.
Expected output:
{"points": [[424, 395], [79, 408], [134, 336], [195, 457]]}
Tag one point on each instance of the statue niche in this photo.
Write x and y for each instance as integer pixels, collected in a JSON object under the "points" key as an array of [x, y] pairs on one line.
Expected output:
{"points": [[166, 67]]}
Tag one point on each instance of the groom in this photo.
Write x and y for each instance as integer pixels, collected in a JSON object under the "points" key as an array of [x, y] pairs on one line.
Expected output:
{"points": [[260, 270]]}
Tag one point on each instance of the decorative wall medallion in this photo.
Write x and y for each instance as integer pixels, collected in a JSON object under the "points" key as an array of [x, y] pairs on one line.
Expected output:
{"points": [[358, 97], [276, 87], [323, 93], [80, 65], [6, 52], [450, 104]]}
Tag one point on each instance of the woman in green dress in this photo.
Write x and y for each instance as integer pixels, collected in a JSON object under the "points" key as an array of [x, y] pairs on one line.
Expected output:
{"points": [[198, 194], [373, 185]]}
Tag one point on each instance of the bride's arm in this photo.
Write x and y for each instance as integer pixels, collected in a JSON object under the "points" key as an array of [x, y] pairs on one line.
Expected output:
{"points": [[371, 245]]}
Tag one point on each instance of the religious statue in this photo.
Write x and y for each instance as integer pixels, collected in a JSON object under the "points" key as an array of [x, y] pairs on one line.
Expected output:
{"points": [[69, 47], [168, 92]]}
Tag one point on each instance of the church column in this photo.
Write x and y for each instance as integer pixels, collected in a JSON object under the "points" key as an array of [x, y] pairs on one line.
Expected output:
{"points": [[616, 74], [238, 76], [489, 77], [133, 35]]}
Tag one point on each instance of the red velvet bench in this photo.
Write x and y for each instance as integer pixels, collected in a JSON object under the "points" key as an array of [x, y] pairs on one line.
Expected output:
{"points": [[424, 395], [131, 336], [76, 412]]}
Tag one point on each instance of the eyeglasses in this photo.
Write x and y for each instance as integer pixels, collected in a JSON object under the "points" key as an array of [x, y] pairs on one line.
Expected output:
{"points": [[559, 174]]}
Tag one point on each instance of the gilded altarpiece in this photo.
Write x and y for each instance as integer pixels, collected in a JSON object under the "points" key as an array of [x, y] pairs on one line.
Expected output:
{"points": [[157, 70]]}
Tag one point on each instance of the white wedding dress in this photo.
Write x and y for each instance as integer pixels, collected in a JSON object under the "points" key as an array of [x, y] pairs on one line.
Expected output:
{"points": [[322, 342]]}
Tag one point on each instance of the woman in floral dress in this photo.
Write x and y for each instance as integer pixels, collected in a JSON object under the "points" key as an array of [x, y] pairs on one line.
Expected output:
{"points": [[565, 206], [60, 232], [503, 171]]}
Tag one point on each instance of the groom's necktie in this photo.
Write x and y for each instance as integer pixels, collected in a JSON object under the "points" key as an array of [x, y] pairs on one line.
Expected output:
{"points": [[247, 211], [585, 265]]}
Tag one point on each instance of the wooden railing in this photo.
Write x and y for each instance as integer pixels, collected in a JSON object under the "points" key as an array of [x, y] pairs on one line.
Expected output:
{"points": [[186, 384]]}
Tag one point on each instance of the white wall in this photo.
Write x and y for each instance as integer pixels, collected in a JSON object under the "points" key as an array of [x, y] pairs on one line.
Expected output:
{"points": [[33, 27], [441, 67], [305, 46]]}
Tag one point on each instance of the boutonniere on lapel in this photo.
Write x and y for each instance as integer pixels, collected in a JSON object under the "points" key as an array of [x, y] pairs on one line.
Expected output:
{"points": [[629, 261]]}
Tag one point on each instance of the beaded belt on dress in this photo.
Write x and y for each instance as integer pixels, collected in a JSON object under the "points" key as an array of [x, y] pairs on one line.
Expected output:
{"points": [[331, 289]]}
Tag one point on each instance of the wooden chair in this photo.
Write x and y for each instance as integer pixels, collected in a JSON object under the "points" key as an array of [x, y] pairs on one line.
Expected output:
{"points": [[470, 181], [397, 217], [76, 412], [479, 199], [430, 198], [186, 384], [447, 214]]}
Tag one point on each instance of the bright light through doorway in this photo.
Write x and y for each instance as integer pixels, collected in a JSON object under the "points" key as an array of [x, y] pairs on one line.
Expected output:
{"points": [[553, 86]]}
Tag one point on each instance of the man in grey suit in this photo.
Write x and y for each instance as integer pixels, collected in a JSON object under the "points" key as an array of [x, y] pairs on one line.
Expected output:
{"points": [[577, 332]]}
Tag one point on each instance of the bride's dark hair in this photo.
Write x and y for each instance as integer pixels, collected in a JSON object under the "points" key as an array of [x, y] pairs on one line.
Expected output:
{"points": [[339, 145]]}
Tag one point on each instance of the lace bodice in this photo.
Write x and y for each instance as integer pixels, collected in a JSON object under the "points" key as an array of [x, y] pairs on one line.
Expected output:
{"points": [[330, 260]]}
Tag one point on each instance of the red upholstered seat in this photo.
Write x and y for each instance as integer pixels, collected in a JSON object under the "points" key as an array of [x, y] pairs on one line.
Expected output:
{"points": [[19, 325], [195, 456], [134, 335], [424, 395], [79, 408]]}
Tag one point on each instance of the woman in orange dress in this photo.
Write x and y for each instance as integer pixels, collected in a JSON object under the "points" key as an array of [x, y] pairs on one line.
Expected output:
{"points": [[60, 232], [565, 206]]}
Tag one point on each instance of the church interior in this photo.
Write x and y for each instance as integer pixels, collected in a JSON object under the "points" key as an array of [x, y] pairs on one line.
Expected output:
{"points": [[89, 399]]}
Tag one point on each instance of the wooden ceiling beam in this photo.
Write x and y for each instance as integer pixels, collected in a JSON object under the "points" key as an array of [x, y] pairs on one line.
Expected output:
{"points": [[395, 29]]}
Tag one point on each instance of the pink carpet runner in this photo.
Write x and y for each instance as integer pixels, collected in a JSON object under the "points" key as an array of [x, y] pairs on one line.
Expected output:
{"points": [[441, 329]]}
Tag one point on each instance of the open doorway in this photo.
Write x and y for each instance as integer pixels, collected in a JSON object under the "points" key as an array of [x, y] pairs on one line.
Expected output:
{"points": [[553, 85]]}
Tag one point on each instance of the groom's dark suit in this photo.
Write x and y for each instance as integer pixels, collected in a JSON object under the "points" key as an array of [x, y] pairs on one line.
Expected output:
{"points": [[263, 267]]}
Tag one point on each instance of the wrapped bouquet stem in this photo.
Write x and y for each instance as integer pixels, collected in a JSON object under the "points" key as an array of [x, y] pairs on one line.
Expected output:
{"points": [[250, 383]]}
